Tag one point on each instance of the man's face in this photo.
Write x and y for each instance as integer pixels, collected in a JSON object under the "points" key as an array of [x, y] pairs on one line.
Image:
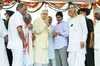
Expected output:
{"points": [[71, 12], [59, 18], [1, 4], [23, 10], [50, 20], [44, 14], [28, 20]]}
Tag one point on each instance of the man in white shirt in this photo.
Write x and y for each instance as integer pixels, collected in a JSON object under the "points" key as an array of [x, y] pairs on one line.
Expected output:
{"points": [[77, 38], [3, 35], [97, 37], [16, 33]]}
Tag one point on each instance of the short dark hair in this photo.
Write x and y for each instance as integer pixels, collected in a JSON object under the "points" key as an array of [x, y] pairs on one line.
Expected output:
{"points": [[20, 5], [59, 13]]}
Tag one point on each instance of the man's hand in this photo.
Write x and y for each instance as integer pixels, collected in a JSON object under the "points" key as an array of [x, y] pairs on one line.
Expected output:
{"points": [[54, 34], [82, 44], [91, 44], [6, 38], [47, 21], [33, 37], [30, 26]]}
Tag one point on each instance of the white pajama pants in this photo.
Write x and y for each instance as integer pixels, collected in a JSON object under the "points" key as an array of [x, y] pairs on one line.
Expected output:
{"points": [[97, 57], [76, 59], [17, 58]]}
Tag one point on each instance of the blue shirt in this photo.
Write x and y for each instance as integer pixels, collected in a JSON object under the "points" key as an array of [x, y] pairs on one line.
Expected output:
{"points": [[61, 41]]}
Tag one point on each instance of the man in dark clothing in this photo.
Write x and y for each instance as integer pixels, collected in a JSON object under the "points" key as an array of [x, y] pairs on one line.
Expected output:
{"points": [[89, 43]]}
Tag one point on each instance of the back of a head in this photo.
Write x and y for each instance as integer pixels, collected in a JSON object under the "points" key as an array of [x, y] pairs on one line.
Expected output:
{"points": [[86, 10], [9, 12], [20, 5]]}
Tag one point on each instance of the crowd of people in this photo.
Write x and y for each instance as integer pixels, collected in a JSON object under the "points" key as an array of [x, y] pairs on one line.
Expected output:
{"points": [[39, 43]]}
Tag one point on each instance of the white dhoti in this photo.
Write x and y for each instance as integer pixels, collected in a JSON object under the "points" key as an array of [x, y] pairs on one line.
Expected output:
{"points": [[97, 57], [3, 57], [76, 59], [17, 58], [28, 55]]}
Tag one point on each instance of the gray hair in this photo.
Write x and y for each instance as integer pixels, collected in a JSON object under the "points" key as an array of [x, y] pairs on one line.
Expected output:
{"points": [[20, 5]]}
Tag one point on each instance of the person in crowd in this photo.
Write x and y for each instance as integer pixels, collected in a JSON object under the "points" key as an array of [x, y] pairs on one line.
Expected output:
{"points": [[60, 35], [8, 14], [89, 42], [51, 50], [41, 31], [77, 38], [29, 61], [97, 37], [3, 39], [16, 35]]}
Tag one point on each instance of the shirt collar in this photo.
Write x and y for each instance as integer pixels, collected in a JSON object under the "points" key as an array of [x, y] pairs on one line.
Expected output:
{"points": [[60, 22]]}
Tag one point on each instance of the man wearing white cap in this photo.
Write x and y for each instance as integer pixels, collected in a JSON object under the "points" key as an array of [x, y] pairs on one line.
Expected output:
{"points": [[97, 37]]}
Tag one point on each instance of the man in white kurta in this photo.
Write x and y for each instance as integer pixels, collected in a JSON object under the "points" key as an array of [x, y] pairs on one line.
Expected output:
{"points": [[41, 41], [16, 35], [97, 37], [29, 61], [3, 33], [77, 39]]}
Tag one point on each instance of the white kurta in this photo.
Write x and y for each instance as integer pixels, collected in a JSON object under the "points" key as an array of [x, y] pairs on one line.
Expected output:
{"points": [[29, 50], [15, 43], [77, 33], [3, 54], [51, 49], [97, 43]]}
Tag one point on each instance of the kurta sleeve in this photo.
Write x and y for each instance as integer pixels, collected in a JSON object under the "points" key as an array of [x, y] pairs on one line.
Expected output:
{"points": [[84, 29], [65, 29]]}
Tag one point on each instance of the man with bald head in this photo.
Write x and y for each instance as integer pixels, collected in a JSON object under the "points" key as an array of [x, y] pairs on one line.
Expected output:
{"points": [[97, 37], [77, 38], [3, 35], [41, 31]]}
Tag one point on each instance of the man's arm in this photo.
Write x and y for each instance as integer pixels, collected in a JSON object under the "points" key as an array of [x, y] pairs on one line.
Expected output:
{"points": [[21, 35], [84, 32]]}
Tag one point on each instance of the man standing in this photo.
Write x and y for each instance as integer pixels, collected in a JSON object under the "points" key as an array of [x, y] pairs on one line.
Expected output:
{"points": [[16, 33], [60, 35], [51, 49], [3, 35], [97, 37], [89, 42], [29, 61], [41, 30], [77, 38]]}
